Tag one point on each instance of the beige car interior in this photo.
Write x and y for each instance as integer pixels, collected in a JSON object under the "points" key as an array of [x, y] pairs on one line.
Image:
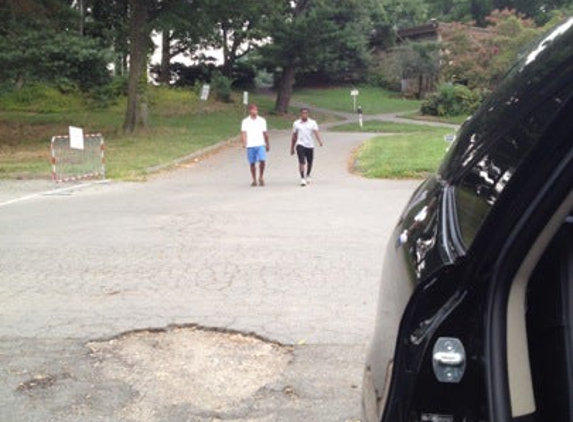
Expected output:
{"points": [[521, 383]]}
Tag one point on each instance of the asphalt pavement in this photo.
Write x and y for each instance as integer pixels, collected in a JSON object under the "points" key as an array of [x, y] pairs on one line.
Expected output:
{"points": [[95, 277]]}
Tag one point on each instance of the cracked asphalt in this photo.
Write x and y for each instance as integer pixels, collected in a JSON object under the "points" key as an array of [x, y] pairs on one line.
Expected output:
{"points": [[196, 246]]}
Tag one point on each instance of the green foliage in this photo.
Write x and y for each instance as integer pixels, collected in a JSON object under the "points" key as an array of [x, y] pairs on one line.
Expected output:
{"points": [[40, 98], [480, 58], [417, 58], [221, 86], [103, 96], [477, 11], [329, 36], [452, 100], [43, 56]]}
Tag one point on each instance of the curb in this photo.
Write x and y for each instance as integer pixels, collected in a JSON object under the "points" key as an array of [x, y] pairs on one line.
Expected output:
{"points": [[190, 157]]}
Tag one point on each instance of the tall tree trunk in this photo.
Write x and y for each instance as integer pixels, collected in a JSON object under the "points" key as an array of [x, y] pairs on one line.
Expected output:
{"points": [[164, 72], [137, 63], [286, 83], [225, 69]]}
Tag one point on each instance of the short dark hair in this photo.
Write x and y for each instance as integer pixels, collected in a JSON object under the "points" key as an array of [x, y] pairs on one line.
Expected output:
{"points": [[304, 109]]}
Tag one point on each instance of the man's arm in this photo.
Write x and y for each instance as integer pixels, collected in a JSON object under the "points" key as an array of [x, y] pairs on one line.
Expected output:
{"points": [[317, 136], [244, 138], [293, 142], [266, 136]]}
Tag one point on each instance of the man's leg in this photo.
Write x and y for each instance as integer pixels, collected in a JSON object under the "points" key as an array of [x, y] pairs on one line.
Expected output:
{"points": [[301, 160], [254, 174], [309, 160], [261, 173]]}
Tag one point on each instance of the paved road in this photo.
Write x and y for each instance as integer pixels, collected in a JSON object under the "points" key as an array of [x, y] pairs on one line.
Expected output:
{"points": [[197, 245]]}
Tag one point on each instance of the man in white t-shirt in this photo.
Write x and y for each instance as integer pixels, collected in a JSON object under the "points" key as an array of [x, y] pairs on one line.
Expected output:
{"points": [[304, 130], [256, 140]]}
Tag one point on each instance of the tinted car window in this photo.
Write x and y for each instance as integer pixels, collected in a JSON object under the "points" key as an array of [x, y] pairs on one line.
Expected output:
{"points": [[491, 145], [484, 182]]}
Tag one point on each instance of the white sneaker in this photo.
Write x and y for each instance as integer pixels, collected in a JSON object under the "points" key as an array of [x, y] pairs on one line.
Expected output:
{"points": [[302, 182], [308, 180]]}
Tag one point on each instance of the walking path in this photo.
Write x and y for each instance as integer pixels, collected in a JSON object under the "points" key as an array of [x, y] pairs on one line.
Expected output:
{"points": [[348, 117]]}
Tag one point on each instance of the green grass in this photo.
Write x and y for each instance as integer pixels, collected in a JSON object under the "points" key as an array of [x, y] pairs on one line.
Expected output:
{"points": [[378, 126], [411, 155], [454, 120], [372, 100]]}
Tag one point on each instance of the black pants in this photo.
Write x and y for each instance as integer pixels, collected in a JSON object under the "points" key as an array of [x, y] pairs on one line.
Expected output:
{"points": [[305, 156]]}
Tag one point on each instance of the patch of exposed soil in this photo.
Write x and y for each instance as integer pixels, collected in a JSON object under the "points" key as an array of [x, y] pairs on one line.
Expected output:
{"points": [[212, 371]]}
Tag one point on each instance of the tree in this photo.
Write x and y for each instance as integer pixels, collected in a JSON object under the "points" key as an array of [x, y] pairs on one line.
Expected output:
{"points": [[136, 112], [308, 35], [108, 21], [406, 13], [34, 29], [183, 25], [479, 59], [418, 60]]}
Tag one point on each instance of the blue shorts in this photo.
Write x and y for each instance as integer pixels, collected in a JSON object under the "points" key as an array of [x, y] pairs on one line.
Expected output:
{"points": [[256, 154]]}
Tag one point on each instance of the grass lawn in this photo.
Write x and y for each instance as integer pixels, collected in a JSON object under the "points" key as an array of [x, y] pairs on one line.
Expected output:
{"points": [[409, 155], [372, 100], [455, 120], [377, 126]]}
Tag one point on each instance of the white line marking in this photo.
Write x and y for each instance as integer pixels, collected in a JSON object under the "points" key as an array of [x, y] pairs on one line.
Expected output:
{"points": [[52, 192]]}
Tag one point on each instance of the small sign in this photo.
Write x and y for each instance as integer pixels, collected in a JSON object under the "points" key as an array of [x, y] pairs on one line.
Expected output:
{"points": [[245, 97], [449, 138], [205, 92], [76, 137], [354, 92]]}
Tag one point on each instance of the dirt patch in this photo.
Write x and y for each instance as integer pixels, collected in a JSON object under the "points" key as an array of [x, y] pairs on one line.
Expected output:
{"points": [[211, 371]]}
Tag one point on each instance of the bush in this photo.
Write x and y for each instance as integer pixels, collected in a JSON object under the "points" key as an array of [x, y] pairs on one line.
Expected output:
{"points": [[186, 76], [40, 98], [221, 87], [107, 95], [244, 75], [452, 100]]}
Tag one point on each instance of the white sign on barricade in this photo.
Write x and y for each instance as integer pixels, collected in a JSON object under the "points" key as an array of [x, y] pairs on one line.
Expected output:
{"points": [[76, 137]]}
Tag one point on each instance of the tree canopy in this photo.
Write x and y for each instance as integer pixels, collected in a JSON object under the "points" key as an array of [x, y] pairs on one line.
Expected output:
{"points": [[72, 43]]}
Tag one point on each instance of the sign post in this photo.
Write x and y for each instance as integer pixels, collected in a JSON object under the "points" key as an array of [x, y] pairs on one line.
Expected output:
{"points": [[205, 92], [354, 93], [204, 96]]}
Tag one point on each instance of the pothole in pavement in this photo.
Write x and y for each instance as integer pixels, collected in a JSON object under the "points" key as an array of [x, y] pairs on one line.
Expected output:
{"points": [[211, 370]]}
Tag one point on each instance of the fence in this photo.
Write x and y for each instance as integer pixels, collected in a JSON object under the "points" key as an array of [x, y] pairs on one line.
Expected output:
{"points": [[70, 162]]}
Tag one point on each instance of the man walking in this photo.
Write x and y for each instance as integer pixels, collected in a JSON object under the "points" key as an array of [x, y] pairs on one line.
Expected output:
{"points": [[256, 140], [304, 130]]}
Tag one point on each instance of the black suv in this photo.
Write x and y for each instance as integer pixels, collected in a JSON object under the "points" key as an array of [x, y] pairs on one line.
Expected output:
{"points": [[475, 314]]}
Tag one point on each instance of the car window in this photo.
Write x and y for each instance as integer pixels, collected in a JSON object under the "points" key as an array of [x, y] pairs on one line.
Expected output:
{"points": [[485, 181], [487, 174], [490, 146]]}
